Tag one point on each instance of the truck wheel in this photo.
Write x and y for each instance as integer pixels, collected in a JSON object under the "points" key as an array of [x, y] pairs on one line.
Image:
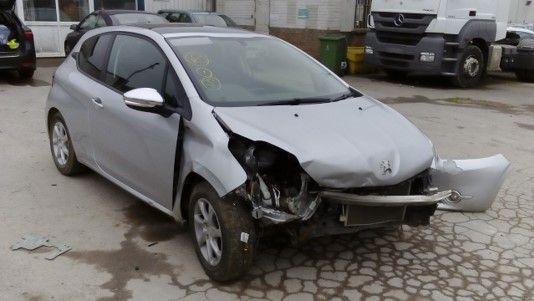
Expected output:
{"points": [[471, 68], [224, 234], [525, 75]]}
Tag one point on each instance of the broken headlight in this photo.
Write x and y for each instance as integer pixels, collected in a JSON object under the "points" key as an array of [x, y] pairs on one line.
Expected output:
{"points": [[277, 186]]}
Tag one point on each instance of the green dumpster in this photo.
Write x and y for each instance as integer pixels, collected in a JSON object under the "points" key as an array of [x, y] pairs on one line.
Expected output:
{"points": [[333, 52]]}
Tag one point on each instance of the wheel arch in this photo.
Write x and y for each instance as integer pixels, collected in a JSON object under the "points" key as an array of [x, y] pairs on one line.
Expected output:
{"points": [[51, 112], [190, 181], [483, 45]]}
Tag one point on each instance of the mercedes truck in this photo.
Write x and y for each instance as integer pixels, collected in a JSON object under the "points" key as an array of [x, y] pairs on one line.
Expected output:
{"points": [[450, 38]]}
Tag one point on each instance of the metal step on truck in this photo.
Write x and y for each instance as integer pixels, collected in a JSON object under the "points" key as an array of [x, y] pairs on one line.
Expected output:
{"points": [[450, 38]]}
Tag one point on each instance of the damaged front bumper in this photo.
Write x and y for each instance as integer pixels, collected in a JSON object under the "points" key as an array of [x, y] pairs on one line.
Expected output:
{"points": [[474, 183]]}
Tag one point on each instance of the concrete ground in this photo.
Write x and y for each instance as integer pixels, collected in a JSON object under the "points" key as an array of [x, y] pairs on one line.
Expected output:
{"points": [[459, 256]]}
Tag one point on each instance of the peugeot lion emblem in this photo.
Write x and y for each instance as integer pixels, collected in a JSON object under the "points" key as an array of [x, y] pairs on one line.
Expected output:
{"points": [[399, 20], [385, 167]]}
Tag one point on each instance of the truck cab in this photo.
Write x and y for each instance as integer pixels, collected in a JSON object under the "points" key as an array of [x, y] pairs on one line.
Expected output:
{"points": [[448, 38]]}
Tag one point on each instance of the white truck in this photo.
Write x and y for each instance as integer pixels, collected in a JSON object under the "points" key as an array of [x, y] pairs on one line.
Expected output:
{"points": [[451, 38]]}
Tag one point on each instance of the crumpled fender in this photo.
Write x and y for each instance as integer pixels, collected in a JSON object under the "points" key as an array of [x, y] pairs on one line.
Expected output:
{"points": [[475, 183]]}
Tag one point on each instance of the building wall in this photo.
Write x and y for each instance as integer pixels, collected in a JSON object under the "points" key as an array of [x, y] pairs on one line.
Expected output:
{"points": [[302, 22], [155, 5], [521, 11], [315, 14]]}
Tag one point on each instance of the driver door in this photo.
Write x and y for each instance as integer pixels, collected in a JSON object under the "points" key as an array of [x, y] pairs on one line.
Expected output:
{"points": [[133, 147]]}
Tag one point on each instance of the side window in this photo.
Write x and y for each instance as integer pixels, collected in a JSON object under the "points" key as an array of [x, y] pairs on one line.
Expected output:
{"points": [[174, 91], [184, 18], [92, 56], [89, 22], [100, 22], [135, 63], [174, 17]]}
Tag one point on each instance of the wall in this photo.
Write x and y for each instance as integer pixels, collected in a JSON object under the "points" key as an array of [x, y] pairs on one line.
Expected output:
{"points": [[522, 11], [155, 5], [315, 14]]}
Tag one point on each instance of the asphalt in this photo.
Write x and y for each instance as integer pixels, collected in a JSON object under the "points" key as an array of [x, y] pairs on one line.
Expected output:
{"points": [[480, 256]]}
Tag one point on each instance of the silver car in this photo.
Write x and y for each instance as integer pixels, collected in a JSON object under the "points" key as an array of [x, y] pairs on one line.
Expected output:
{"points": [[237, 132]]}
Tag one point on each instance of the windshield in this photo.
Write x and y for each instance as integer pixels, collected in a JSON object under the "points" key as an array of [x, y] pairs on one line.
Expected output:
{"points": [[241, 71], [214, 20], [135, 18]]}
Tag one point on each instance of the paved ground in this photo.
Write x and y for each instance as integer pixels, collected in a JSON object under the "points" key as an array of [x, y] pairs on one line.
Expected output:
{"points": [[461, 256]]}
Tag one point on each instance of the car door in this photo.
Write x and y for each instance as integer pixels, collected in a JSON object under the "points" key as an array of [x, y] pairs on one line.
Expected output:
{"points": [[84, 82], [134, 147]]}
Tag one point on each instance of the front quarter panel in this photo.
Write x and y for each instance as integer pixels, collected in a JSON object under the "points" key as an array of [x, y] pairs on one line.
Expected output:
{"points": [[206, 153]]}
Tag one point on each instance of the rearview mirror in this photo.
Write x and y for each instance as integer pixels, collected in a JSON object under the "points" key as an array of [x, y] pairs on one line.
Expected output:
{"points": [[143, 98], [74, 27]]}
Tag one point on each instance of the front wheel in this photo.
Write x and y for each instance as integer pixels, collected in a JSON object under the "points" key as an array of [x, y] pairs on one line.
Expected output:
{"points": [[224, 234], [471, 68]]}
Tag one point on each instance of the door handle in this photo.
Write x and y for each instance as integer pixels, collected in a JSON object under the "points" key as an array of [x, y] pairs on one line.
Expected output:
{"points": [[97, 101]]}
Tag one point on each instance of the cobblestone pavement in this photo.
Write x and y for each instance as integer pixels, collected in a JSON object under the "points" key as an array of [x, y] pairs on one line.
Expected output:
{"points": [[480, 256]]}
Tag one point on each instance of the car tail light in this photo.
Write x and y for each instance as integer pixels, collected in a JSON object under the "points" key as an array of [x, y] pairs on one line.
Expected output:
{"points": [[28, 34]]}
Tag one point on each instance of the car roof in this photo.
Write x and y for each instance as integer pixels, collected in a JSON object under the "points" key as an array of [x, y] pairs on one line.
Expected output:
{"points": [[520, 29], [188, 11], [171, 28], [123, 11]]}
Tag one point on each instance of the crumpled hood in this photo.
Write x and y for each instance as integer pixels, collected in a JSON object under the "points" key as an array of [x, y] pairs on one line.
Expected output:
{"points": [[356, 142]]}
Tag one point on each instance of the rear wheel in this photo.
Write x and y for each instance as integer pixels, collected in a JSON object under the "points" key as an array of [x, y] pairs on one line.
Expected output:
{"points": [[26, 73], [223, 232], [525, 75], [61, 147], [471, 68]]}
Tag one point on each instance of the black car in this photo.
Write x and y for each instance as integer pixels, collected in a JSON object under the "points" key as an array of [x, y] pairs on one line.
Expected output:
{"points": [[197, 17], [102, 18], [17, 50]]}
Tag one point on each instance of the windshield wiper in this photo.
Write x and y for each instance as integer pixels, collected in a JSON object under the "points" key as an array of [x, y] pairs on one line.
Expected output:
{"points": [[296, 101]]}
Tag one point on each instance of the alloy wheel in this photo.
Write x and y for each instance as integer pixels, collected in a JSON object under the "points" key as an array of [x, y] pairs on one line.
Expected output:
{"points": [[60, 143], [208, 231]]}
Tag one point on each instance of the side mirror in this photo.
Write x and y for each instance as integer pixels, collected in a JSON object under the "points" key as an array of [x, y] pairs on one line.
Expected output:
{"points": [[74, 27], [143, 98]]}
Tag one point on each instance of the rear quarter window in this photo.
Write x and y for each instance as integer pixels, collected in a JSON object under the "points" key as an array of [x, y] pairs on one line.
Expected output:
{"points": [[92, 56]]}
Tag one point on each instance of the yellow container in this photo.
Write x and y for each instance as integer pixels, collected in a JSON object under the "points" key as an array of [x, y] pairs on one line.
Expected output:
{"points": [[355, 59]]}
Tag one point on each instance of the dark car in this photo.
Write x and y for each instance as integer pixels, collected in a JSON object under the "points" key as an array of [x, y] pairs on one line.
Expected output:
{"points": [[101, 18], [17, 50], [198, 17]]}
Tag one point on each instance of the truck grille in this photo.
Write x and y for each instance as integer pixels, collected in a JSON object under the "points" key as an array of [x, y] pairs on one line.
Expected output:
{"points": [[411, 23], [398, 38]]}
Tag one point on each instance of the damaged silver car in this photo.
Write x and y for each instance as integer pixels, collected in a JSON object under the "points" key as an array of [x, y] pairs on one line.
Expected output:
{"points": [[238, 132]]}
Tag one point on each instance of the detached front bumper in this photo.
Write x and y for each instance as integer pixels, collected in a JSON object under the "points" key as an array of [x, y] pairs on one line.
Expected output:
{"points": [[474, 183]]}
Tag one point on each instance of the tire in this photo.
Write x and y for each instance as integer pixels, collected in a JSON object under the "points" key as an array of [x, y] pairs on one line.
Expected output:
{"points": [[471, 68], [237, 234], [396, 74], [67, 163], [26, 73], [525, 75]]}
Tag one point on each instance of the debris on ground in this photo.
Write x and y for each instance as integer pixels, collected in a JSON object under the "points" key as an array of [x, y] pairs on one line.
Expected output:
{"points": [[32, 242]]}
